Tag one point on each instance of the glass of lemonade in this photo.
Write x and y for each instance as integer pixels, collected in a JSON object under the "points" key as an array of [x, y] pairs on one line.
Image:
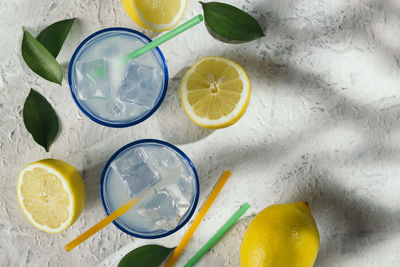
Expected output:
{"points": [[162, 176], [117, 95]]}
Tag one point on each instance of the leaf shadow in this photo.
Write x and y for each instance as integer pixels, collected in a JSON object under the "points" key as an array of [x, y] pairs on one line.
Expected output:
{"points": [[347, 223], [352, 224]]}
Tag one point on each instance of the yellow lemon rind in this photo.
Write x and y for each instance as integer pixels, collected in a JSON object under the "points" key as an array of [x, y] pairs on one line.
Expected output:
{"points": [[229, 119], [71, 183], [138, 18], [263, 245]]}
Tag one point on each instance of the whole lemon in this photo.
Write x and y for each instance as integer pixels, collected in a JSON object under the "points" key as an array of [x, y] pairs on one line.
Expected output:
{"points": [[282, 235]]}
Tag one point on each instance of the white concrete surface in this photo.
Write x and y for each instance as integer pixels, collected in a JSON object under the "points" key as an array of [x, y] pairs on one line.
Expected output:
{"points": [[322, 126]]}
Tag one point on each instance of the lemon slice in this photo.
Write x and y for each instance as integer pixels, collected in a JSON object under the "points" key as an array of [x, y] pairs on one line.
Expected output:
{"points": [[156, 15], [51, 194], [215, 92]]}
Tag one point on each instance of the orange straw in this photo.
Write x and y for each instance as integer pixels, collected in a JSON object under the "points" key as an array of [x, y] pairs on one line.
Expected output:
{"points": [[179, 249], [100, 225]]}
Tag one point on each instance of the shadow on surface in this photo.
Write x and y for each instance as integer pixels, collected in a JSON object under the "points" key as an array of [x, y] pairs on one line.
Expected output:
{"points": [[175, 126], [230, 157], [91, 177], [350, 223]]}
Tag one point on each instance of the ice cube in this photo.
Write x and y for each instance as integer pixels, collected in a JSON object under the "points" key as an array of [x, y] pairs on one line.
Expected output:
{"points": [[141, 85], [151, 77], [182, 198], [134, 111], [161, 211], [185, 185], [116, 109], [135, 171], [91, 79], [164, 157], [168, 158]]}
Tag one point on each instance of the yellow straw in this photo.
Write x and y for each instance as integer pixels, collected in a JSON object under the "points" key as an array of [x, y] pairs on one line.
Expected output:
{"points": [[100, 225], [179, 249]]}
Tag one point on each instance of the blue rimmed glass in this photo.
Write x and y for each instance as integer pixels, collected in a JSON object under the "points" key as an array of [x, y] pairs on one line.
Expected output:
{"points": [[98, 37], [124, 226]]}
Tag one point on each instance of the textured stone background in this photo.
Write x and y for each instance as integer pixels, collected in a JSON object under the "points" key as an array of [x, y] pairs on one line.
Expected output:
{"points": [[322, 126]]}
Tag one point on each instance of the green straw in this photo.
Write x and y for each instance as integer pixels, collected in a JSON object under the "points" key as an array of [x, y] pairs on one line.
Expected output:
{"points": [[162, 39], [218, 235], [99, 73]]}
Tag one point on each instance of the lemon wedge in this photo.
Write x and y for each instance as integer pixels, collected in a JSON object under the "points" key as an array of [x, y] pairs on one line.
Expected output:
{"points": [[51, 194], [215, 92], [155, 15]]}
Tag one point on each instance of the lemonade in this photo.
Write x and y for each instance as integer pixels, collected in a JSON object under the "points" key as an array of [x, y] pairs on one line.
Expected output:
{"points": [[112, 93], [162, 176]]}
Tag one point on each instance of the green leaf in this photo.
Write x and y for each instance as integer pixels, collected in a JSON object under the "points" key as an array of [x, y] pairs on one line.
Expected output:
{"points": [[53, 36], [40, 60], [145, 256], [40, 119], [230, 24]]}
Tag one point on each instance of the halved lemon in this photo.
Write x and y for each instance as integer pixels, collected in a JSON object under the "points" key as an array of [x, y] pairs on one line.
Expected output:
{"points": [[51, 194], [215, 92], [155, 15]]}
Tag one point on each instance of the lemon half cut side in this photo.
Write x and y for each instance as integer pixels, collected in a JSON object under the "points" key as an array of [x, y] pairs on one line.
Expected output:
{"points": [[155, 15], [215, 92], [51, 194]]}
